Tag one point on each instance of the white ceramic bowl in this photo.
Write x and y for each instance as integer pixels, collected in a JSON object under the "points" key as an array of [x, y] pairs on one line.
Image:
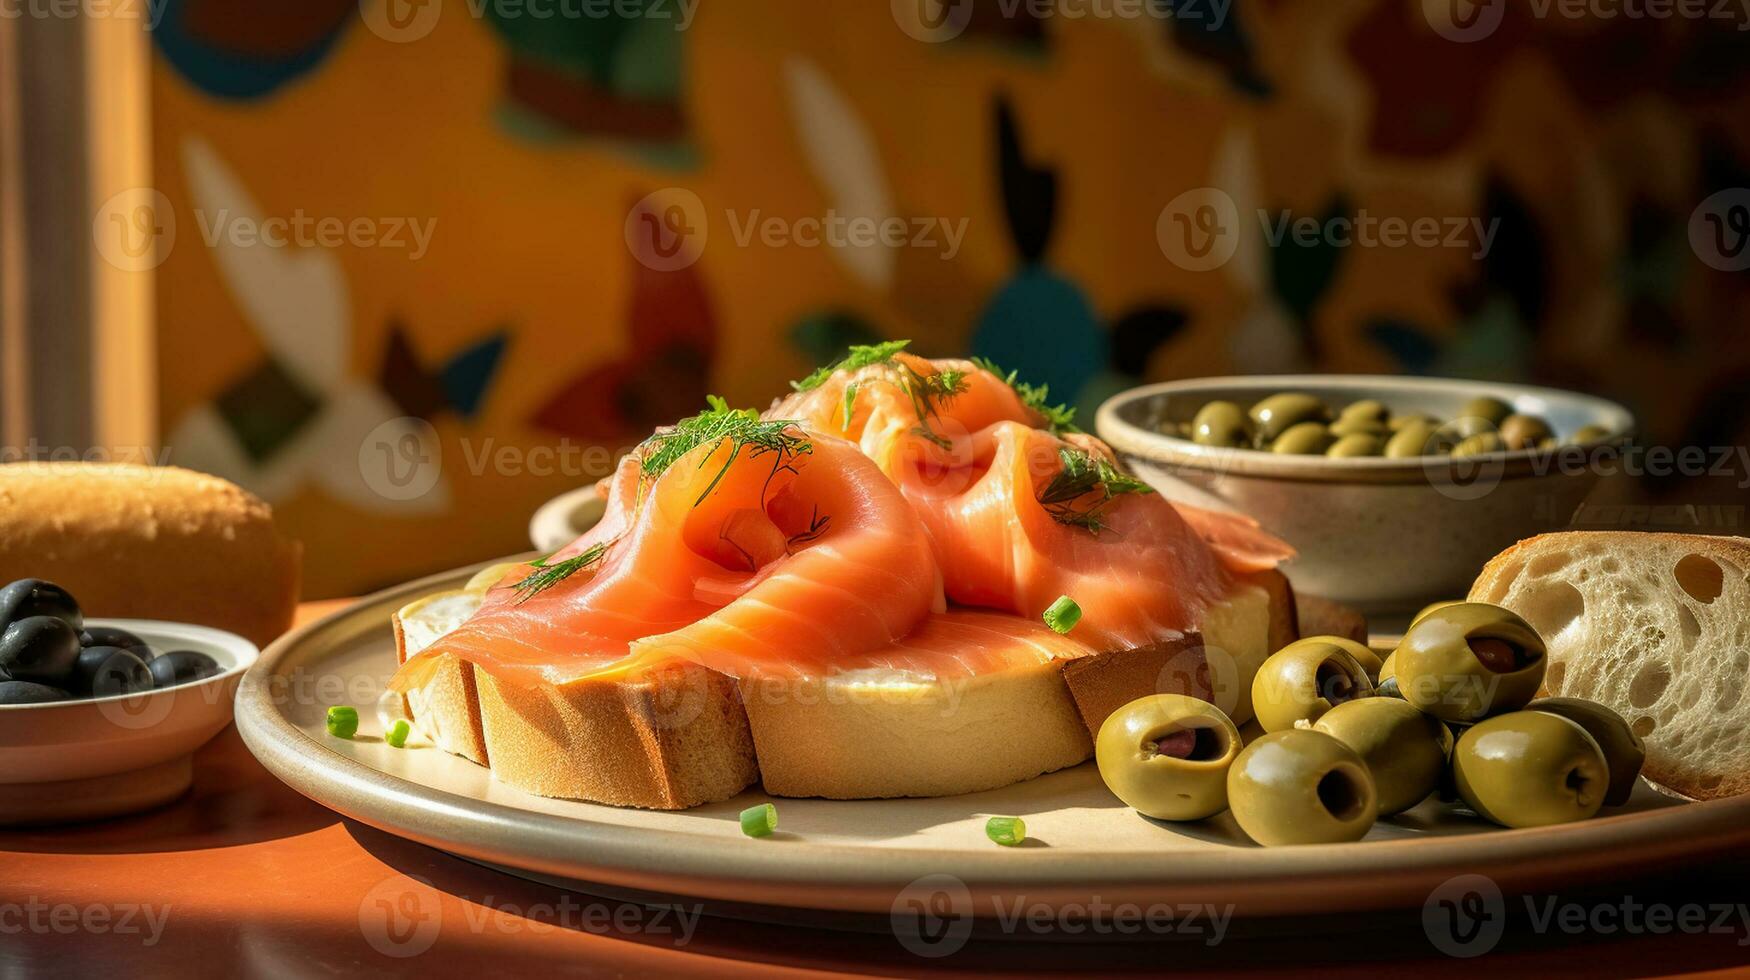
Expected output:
{"points": [[1384, 535], [562, 519], [74, 760]]}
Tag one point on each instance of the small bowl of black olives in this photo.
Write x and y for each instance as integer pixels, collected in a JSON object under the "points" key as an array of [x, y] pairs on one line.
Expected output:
{"points": [[102, 716], [1394, 491]]}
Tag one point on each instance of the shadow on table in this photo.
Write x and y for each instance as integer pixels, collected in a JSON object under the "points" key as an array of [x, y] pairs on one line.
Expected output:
{"points": [[233, 801], [1034, 941]]}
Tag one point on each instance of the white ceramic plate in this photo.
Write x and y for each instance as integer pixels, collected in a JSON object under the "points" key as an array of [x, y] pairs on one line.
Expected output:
{"points": [[99, 756], [866, 856]]}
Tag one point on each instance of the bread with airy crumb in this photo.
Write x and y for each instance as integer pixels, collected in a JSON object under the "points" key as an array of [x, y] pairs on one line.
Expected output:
{"points": [[1657, 627]]}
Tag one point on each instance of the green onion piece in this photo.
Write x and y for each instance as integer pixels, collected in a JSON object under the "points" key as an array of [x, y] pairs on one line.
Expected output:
{"points": [[397, 734], [343, 721], [1063, 615], [1007, 831], [759, 821]]}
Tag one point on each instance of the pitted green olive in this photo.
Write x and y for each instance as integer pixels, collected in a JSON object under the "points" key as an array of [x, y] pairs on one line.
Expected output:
{"points": [[1479, 444], [1277, 414], [1624, 753], [1305, 439], [1167, 756], [1221, 424], [1359, 427], [1301, 787], [1492, 410], [1530, 769], [1305, 679], [1398, 423], [1388, 668], [1419, 438], [1469, 660], [1405, 750], [1587, 434], [1366, 410], [1358, 445], [1430, 607], [1524, 431]]}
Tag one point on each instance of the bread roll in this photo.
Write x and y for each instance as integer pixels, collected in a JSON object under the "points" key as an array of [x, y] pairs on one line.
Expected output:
{"points": [[1653, 626], [149, 542]]}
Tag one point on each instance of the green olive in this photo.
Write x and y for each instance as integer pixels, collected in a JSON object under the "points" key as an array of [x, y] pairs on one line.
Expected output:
{"points": [[1347, 426], [1360, 444], [1419, 438], [1305, 679], [1465, 427], [1588, 434], [1430, 607], [1277, 414], [1530, 769], [1305, 439], [1167, 756], [1492, 410], [1469, 660], [1366, 410], [1397, 423], [1479, 444], [1524, 431], [1623, 750], [1221, 424], [1388, 668], [1405, 750], [1301, 787]]}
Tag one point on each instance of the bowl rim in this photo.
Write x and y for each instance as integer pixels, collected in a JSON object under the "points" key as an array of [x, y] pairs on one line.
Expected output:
{"points": [[1131, 439], [245, 652]]}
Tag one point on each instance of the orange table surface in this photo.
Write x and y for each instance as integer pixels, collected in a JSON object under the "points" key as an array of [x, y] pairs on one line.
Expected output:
{"points": [[244, 877]]}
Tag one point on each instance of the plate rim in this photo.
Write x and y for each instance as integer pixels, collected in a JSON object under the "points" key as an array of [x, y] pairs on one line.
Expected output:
{"points": [[857, 878]]}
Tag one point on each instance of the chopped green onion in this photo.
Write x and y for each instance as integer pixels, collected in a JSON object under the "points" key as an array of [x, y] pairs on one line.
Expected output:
{"points": [[397, 734], [343, 721], [1007, 831], [759, 821], [1063, 615]]}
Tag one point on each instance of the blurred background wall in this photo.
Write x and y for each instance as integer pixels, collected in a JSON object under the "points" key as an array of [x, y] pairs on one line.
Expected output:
{"points": [[526, 240]]}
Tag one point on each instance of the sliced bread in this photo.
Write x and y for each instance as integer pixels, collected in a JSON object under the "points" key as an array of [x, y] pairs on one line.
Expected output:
{"points": [[1657, 627]]}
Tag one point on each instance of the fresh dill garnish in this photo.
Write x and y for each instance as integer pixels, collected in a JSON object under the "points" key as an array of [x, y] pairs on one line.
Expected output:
{"points": [[1059, 418], [546, 576], [860, 356], [1067, 497], [744, 429], [924, 391]]}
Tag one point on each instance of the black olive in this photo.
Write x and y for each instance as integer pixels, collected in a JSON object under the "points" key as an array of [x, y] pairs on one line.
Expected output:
{"points": [[181, 667], [41, 649], [105, 671], [24, 692], [110, 636], [29, 597]]}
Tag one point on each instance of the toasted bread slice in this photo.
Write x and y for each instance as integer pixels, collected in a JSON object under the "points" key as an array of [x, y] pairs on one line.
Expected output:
{"points": [[1657, 627], [683, 735]]}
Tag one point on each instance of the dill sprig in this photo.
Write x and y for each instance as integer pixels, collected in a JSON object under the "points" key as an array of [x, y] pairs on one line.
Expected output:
{"points": [[1084, 475], [858, 357], [1059, 418], [742, 427], [925, 392], [546, 576]]}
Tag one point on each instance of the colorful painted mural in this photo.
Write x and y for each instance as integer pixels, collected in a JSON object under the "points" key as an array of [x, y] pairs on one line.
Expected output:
{"points": [[440, 259]]}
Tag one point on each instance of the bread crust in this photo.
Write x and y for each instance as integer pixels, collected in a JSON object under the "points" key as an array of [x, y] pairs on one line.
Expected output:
{"points": [[1700, 749], [150, 542]]}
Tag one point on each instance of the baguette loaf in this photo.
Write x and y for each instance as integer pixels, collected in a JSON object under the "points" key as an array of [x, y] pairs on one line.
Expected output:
{"points": [[1657, 627], [150, 542]]}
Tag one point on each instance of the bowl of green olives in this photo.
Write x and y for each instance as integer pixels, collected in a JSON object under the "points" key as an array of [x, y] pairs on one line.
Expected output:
{"points": [[1394, 491], [102, 716]]}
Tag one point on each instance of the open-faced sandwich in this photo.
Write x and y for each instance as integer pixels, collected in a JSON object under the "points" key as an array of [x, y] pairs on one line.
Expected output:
{"points": [[907, 578]]}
